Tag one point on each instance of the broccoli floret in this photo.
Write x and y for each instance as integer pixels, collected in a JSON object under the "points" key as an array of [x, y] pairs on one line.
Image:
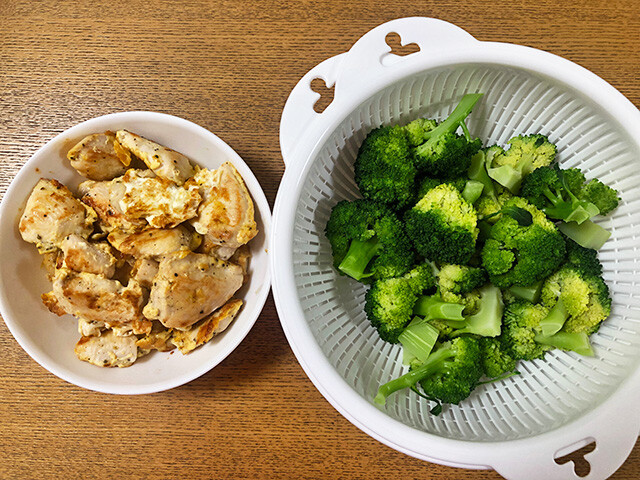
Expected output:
{"points": [[486, 321], [488, 205], [428, 183], [548, 190], [390, 302], [368, 241], [496, 361], [523, 339], [417, 130], [602, 196], [584, 259], [444, 153], [449, 374], [443, 226], [579, 301], [458, 279], [384, 170], [521, 255], [521, 323], [525, 154]]}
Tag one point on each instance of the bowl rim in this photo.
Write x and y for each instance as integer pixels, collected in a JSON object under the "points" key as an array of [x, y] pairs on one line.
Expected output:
{"points": [[260, 202], [360, 412]]}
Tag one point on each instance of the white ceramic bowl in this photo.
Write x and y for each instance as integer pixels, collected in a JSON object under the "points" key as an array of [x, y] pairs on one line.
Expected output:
{"points": [[49, 339], [520, 425]]}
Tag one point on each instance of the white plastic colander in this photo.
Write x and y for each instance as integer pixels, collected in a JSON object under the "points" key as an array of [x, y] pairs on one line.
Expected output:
{"points": [[520, 425]]}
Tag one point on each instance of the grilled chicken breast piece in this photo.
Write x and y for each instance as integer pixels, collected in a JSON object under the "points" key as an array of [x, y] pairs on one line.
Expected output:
{"points": [[107, 350], [226, 214], [87, 328], [158, 339], [104, 198], [205, 329], [189, 286], [152, 242], [143, 271], [51, 214], [160, 202], [96, 298], [164, 162], [97, 157], [82, 256]]}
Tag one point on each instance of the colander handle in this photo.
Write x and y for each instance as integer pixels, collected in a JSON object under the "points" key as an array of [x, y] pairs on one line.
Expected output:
{"points": [[615, 431], [367, 64]]}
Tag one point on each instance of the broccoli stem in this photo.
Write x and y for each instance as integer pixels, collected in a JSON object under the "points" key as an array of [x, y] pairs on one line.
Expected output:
{"points": [[507, 176], [436, 362], [575, 210], [487, 321], [418, 340], [358, 257], [574, 342], [554, 321], [432, 307], [465, 131], [530, 293], [478, 172], [452, 122], [586, 234], [472, 191]]}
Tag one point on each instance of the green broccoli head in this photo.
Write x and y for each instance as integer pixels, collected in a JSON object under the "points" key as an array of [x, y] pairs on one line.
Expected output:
{"points": [[521, 255], [443, 226], [521, 323], [368, 241], [459, 371], [584, 297], [548, 189], [417, 130], [584, 259], [602, 196], [389, 302], [384, 170], [428, 183], [525, 154], [459, 284], [490, 204], [496, 361], [444, 153]]}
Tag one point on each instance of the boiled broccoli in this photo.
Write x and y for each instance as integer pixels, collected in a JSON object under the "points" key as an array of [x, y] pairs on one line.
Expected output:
{"points": [[384, 169], [444, 153], [389, 303], [496, 361], [602, 196], [486, 319], [584, 259], [586, 234], [522, 337], [417, 129], [578, 300], [428, 183], [456, 280], [525, 154], [442, 226], [521, 255], [448, 375], [368, 241], [547, 189]]}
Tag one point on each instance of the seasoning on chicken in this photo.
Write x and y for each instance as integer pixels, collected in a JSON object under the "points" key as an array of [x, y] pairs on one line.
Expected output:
{"points": [[161, 202], [99, 157], [107, 350], [96, 298], [205, 329], [158, 339], [88, 328], [189, 286], [226, 214], [104, 198], [152, 242], [52, 213], [82, 256], [143, 271], [164, 162]]}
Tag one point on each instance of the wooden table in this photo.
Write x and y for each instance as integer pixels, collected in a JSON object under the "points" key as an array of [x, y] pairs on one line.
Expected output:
{"points": [[228, 66]]}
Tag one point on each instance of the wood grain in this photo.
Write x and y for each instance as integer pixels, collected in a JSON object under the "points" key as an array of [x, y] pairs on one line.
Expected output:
{"points": [[228, 66]]}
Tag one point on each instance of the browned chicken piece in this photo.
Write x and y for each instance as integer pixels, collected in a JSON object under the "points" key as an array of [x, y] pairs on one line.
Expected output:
{"points": [[158, 339], [226, 214], [205, 329], [189, 286], [152, 242], [96, 298], [51, 302], [52, 213], [82, 256], [50, 263], [105, 198], [164, 162], [87, 328], [161, 202], [143, 271], [208, 245], [241, 257], [107, 350], [96, 157]]}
